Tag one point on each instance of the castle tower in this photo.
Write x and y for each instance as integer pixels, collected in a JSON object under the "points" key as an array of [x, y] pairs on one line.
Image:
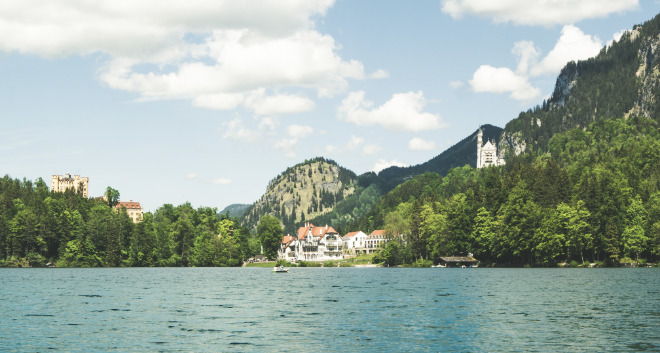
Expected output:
{"points": [[487, 152], [60, 183], [480, 137]]}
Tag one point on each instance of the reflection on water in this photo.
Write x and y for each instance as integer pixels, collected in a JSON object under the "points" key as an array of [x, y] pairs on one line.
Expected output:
{"points": [[330, 309]]}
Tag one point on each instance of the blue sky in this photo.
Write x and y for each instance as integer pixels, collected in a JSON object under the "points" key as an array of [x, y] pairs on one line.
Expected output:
{"points": [[207, 101]]}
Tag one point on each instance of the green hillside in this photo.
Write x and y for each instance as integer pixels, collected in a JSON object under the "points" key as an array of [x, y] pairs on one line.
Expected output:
{"points": [[582, 186], [458, 155], [302, 192], [298, 195], [622, 81], [235, 210]]}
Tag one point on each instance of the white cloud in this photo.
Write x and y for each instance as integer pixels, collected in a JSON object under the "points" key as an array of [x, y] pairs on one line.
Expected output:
{"points": [[219, 101], [404, 111], [456, 84], [544, 13], [191, 176], [220, 55], [235, 130], [140, 29], [527, 54], [503, 80], [383, 164], [267, 123], [380, 73], [221, 181], [572, 45], [370, 149], [277, 104], [418, 144], [354, 142], [299, 130], [287, 146]]}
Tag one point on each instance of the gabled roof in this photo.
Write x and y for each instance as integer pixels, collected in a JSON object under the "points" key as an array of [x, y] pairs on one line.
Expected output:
{"points": [[129, 205], [488, 146], [319, 232], [378, 232], [302, 231], [351, 234], [287, 239]]}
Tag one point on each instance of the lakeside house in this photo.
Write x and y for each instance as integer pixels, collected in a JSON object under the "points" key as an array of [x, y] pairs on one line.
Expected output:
{"points": [[356, 243], [312, 243], [376, 240], [353, 241]]}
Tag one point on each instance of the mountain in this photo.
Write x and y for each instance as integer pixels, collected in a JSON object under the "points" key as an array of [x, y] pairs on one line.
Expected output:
{"points": [[321, 192], [302, 192], [581, 184], [458, 155], [235, 210], [621, 81]]}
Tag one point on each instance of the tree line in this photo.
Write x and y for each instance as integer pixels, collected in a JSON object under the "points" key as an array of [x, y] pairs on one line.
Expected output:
{"points": [[38, 227], [594, 196]]}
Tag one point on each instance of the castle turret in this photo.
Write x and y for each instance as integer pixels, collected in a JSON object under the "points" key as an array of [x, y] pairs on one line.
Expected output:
{"points": [[480, 136]]}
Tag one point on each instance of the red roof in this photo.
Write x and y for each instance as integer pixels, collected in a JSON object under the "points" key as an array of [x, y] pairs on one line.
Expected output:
{"points": [[287, 239], [351, 234], [378, 232], [129, 205], [321, 231], [302, 231], [316, 231]]}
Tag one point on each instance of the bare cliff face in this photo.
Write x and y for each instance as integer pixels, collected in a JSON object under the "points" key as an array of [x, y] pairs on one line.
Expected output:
{"points": [[648, 74], [622, 81]]}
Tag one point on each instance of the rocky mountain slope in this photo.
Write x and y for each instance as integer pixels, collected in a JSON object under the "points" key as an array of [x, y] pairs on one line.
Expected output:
{"points": [[302, 192], [622, 81]]}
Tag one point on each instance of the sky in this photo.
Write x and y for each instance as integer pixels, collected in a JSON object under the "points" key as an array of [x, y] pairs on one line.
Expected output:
{"points": [[206, 101]]}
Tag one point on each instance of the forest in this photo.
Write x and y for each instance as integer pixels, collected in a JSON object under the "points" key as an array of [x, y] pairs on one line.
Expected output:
{"points": [[593, 197], [586, 190], [40, 228]]}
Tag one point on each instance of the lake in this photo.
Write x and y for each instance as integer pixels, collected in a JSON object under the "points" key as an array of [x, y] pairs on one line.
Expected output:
{"points": [[329, 310]]}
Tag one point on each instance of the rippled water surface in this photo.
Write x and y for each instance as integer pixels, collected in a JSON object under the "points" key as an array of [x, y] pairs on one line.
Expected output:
{"points": [[329, 309]]}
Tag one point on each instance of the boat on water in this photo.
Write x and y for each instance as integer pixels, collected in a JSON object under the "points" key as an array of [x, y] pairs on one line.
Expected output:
{"points": [[280, 269]]}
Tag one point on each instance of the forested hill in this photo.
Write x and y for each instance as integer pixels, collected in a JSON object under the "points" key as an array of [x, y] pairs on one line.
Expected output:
{"points": [[302, 192], [321, 192], [235, 210], [588, 189], [622, 81], [458, 155]]}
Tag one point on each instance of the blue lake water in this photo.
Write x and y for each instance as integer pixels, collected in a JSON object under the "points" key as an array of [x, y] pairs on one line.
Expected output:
{"points": [[329, 310]]}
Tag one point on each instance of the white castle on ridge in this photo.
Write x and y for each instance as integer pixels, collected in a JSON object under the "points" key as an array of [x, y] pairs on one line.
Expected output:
{"points": [[487, 153]]}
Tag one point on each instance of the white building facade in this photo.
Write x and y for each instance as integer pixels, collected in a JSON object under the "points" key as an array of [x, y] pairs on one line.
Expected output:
{"points": [[61, 183], [133, 209], [487, 153], [312, 244], [353, 241]]}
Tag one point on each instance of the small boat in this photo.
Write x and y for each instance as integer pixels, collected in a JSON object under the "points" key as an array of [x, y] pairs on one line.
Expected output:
{"points": [[280, 269]]}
